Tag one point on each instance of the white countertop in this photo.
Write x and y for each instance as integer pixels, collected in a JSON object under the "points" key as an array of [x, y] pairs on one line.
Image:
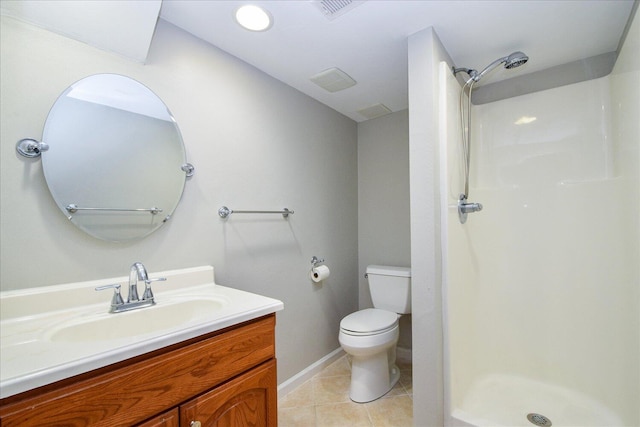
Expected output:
{"points": [[32, 355]]}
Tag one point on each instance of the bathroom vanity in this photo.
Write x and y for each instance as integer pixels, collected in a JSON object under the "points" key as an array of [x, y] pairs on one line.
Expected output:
{"points": [[213, 368]]}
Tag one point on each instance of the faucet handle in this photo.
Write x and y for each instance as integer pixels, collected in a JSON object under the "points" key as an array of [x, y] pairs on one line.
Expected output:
{"points": [[148, 293], [117, 297]]}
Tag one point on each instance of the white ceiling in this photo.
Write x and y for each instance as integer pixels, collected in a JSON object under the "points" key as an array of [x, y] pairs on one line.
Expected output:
{"points": [[121, 27], [369, 43]]}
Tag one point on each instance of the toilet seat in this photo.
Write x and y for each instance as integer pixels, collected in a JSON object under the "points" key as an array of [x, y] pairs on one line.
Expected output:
{"points": [[370, 321]]}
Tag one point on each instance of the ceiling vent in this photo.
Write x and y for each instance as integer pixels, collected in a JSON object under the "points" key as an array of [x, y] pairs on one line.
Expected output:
{"points": [[333, 80], [333, 9], [374, 111]]}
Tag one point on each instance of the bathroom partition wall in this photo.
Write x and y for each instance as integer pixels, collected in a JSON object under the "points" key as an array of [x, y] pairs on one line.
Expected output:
{"points": [[542, 287]]}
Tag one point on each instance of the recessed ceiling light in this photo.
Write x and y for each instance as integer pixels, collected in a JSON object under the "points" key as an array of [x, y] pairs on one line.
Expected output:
{"points": [[253, 18]]}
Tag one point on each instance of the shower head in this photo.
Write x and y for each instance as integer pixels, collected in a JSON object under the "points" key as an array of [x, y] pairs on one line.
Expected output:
{"points": [[514, 60]]}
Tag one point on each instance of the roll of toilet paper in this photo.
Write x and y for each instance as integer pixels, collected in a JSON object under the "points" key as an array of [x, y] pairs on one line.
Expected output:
{"points": [[319, 273]]}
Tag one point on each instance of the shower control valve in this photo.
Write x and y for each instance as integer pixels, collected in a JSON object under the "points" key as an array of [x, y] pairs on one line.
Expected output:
{"points": [[465, 208]]}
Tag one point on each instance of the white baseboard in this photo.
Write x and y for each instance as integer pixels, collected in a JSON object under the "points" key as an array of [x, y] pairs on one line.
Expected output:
{"points": [[307, 373]]}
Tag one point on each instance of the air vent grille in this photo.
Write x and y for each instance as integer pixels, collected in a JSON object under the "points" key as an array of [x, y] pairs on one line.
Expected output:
{"points": [[333, 80], [374, 111], [332, 9]]}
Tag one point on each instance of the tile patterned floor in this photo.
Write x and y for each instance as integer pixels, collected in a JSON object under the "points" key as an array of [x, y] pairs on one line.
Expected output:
{"points": [[323, 401]]}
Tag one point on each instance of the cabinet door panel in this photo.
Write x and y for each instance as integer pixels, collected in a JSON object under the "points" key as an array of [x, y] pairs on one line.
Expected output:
{"points": [[249, 400]]}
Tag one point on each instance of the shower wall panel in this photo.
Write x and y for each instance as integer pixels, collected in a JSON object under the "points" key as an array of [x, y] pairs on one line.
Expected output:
{"points": [[542, 284]]}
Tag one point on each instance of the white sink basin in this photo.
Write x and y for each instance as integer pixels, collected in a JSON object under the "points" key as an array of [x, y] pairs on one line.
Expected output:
{"points": [[142, 321], [55, 332]]}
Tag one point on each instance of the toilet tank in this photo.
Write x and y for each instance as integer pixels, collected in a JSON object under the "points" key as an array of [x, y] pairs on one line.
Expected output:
{"points": [[390, 288]]}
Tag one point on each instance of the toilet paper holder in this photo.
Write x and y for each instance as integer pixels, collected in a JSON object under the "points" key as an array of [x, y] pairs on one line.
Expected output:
{"points": [[318, 272]]}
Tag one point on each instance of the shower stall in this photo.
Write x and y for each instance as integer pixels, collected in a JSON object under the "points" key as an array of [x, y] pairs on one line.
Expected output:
{"points": [[541, 289]]}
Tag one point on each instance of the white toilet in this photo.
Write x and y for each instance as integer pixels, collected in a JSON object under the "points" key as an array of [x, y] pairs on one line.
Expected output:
{"points": [[370, 335]]}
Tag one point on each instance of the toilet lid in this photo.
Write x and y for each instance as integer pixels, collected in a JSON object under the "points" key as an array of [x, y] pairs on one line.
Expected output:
{"points": [[369, 320]]}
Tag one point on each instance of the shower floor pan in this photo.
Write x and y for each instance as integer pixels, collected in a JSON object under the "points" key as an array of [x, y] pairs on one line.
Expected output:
{"points": [[506, 400]]}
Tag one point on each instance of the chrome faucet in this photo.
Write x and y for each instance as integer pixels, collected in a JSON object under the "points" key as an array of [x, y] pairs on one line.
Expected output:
{"points": [[137, 272]]}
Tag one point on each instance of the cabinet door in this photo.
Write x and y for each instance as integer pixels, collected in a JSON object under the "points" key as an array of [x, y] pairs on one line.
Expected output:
{"points": [[168, 419], [249, 400]]}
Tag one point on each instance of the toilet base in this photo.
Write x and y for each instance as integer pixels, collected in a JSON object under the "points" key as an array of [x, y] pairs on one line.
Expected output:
{"points": [[366, 387]]}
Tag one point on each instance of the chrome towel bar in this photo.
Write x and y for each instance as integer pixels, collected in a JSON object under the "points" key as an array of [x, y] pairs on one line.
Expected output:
{"points": [[71, 208], [225, 212]]}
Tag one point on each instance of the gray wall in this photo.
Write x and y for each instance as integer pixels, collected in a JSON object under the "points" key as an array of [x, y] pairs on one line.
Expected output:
{"points": [[383, 201], [256, 144]]}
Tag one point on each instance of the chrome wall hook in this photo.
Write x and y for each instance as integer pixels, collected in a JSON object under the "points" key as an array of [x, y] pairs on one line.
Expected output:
{"points": [[29, 147]]}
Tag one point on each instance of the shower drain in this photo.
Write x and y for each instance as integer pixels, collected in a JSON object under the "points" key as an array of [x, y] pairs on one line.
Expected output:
{"points": [[539, 420]]}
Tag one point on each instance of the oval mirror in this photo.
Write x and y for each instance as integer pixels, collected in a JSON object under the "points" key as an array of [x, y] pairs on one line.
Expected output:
{"points": [[116, 161]]}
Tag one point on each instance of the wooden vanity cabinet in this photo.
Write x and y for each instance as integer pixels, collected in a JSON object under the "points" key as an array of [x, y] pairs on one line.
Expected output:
{"points": [[226, 378], [168, 419]]}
